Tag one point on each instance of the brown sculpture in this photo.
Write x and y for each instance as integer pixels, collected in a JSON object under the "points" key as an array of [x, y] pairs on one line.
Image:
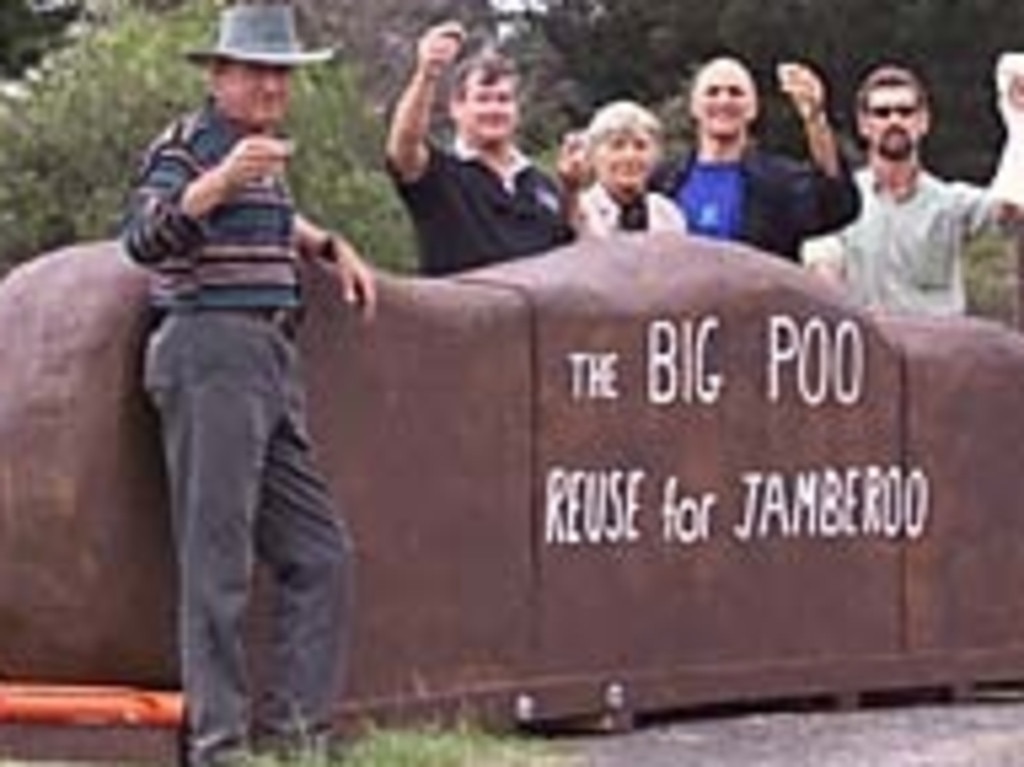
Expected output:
{"points": [[620, 477]]}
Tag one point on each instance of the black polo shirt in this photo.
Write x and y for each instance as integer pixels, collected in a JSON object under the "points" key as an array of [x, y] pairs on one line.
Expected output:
{"points": [[465, 217]]}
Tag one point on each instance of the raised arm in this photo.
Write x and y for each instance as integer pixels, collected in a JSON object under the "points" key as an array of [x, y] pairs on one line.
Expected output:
{"points": [[174, 193], [156, 228], [1008, 184], [807, 93], [407, 149]]}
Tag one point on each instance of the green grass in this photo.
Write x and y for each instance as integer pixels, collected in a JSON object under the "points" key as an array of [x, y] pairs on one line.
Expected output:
{"points": [[463, 746]]}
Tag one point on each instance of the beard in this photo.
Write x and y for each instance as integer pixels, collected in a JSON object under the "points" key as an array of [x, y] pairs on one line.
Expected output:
{"points": [[896, 144]]}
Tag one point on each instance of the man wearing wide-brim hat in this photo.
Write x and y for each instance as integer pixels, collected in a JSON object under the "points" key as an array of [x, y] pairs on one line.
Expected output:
{"points": [[212, 220]]}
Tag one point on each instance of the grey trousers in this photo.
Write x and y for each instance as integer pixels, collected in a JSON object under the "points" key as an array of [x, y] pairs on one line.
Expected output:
{"points": [[242, 486]]}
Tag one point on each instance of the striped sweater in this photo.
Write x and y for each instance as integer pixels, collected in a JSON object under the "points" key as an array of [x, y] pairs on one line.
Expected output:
{"points": [[240, 254]]}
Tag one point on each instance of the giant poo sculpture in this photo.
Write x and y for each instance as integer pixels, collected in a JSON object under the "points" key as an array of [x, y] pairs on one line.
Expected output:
{"points": [[621, 477]]}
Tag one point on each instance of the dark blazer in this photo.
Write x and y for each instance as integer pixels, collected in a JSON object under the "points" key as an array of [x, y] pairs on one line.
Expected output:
{"points": [[786, 200]]}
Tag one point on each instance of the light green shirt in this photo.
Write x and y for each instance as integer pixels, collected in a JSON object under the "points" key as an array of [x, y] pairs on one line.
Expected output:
{"points": [[907, 255]]}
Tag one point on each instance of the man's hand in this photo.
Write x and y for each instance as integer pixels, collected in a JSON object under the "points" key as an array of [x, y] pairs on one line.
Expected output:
{"points": [[407, 149], [254, 159], [439, 47], [807, 92], [573, 165], [1010, 86], [804, 88], [358, 283], [575, 171], [1011, 104], [1008, 184], [1015, 94]]}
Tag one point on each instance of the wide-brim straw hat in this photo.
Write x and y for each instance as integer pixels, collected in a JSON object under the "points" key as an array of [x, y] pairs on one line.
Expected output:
{"points": [[259, 33]]}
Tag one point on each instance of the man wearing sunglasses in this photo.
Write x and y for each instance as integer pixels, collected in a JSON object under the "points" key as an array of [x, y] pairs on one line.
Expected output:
{"points": [[904, 252], [730, 189]]}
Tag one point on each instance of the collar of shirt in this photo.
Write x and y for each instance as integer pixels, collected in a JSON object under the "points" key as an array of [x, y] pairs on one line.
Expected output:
{"points": [[917, 180], [596, 201], [213, 117], [519, 163], [211, 135], [603, 214]]}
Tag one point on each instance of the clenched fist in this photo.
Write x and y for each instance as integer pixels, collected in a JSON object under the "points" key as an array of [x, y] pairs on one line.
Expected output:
{"points": [[439, 47], [803, 87]]}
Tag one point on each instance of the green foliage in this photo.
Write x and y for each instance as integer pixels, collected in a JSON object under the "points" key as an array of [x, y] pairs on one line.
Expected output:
{"points": [[338, 176], [26, 33], [461, 747], [647, 50], [991, 277], [70, 144], [69, 148]]}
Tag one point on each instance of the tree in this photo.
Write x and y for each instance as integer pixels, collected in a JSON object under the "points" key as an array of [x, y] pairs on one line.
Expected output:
{"points": [[647, 50], [28, 30], [69, 146], [379, 38]]}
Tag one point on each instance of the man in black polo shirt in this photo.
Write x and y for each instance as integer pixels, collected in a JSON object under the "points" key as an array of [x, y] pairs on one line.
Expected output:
{"points": [[482, 201]]}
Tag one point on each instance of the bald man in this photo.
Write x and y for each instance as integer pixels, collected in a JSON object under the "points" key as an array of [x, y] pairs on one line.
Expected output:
{"points": [[729, 189]]}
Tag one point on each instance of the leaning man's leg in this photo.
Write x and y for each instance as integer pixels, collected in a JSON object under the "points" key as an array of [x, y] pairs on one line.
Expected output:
{"points": [[304, 541], [215, 432]]}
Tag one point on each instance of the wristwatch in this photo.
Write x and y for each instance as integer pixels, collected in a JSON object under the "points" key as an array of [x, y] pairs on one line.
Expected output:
{"points": [[328, 250]]}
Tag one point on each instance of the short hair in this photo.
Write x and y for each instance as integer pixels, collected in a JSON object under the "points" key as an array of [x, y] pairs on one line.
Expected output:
{"points": [[490, 65], [891, 76], [622, 117]]}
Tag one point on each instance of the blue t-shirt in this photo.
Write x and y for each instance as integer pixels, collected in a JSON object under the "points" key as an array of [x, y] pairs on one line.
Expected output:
{"points": [[712, 199]]}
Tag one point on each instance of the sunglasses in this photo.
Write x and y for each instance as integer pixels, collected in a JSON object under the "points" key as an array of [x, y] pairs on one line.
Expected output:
{"points": [[885, 112]]}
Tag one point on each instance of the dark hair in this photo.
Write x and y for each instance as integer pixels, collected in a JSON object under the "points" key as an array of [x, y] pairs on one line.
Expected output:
{"points": [[489, 65], [891, 76]]}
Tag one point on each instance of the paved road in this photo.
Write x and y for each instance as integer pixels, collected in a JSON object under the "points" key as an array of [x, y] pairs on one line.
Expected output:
{"points": [[988, 732], [985, 733]]}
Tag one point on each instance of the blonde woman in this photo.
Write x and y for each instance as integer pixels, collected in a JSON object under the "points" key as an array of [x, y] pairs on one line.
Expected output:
{"points": [[622, 146]]}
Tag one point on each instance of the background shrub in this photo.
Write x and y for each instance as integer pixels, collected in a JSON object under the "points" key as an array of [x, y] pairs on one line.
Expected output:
{"points": [[70, 143], [991, 276], [73, 131]]}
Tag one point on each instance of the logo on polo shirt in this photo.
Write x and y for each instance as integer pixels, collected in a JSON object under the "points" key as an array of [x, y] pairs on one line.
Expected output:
{"points": [[709, 216], [548, 198]]}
